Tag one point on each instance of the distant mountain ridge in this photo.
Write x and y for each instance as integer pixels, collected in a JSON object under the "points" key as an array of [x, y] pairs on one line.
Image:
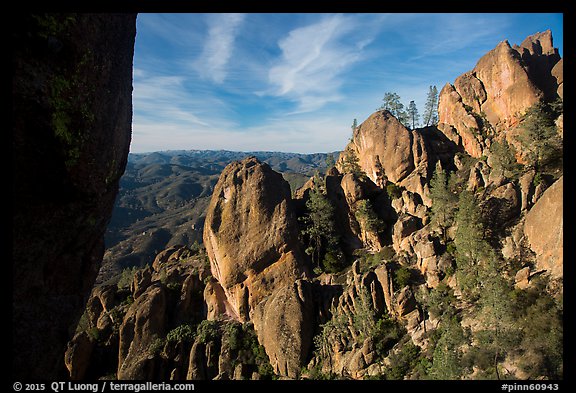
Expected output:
{"points": [[163, 198]]}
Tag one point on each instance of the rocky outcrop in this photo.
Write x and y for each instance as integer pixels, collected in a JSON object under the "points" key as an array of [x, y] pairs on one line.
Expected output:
{"points": [[544, 229], [497, 92], [453, 115], [77, 357], [345, 222], [558, 73], [509, 89], [285, 325], [143, 324], [385, 148], [71, 116], [251, 235], [540, 57]]}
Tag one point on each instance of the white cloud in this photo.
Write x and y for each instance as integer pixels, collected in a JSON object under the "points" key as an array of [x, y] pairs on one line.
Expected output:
{"points": [[166, 100], [312, 61], [219, 46]]}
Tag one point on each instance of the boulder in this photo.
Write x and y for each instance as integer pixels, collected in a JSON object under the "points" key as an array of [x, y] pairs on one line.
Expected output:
{"points": [[251, 235], [143, 323], [544, 229], [196, 369], [385, 280], [285, 326], [78, 354], [164, 256], [526, 189], [522, 277], [403, 228], [216, 301], [141, 281], [191, 302]]}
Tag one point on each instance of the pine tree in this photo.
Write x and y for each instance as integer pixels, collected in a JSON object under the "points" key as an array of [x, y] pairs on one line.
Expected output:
{"points": [[350, 163], [319, 224], [539, 138], [393, 105], [431, 107], [495, 310], [443, 201], [503, 160], [471, 246], [413, 114]]}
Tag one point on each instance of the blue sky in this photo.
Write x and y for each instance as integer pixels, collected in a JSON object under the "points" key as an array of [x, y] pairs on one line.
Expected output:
{"points": [[295, 82]]}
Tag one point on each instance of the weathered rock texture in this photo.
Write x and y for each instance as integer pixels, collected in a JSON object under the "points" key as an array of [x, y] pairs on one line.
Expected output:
{"points": [[144, 322], [123, 331], [285, 326], [251, 237], [497, 92], [544, 228], [384, 147], [71, 113]]}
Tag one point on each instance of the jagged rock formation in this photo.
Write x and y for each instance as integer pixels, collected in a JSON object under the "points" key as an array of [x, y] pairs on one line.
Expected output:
{"points": [[251, 237], [384, 147], [285, 325], [497, 92], [427, 273], [71, 113], [154, 327], [544, 229]]}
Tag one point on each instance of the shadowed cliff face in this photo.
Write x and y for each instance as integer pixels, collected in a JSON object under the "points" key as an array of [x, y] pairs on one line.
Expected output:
{"points": [[72, 113]]}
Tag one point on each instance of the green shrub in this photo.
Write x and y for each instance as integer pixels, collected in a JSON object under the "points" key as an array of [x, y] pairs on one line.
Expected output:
{"points": [[393, 190], [441, 301], [182, 333], [196, 248], [93, 333], [126, 277], [333, 262], [451, 248], [402, 277], [366, 215], [386, 253], [156, 346], [387, 332], [174, 286], [403, 361], [233, 335], [207, 331], [315, 373]]}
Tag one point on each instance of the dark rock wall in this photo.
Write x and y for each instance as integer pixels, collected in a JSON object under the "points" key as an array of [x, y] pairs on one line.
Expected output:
{"points": [[71, 120]]}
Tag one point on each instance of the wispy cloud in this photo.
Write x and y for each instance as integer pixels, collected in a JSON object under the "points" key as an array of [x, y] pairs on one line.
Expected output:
{"points": [[219, 45], [313, 57], [294, 82], [165, 100]]}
